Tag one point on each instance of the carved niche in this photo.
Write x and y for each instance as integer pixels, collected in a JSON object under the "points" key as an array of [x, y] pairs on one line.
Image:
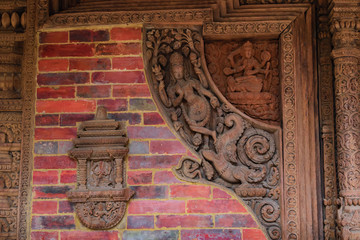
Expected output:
{"points": [[100, 149], [10, 138], [247, 75], [234, 151]]}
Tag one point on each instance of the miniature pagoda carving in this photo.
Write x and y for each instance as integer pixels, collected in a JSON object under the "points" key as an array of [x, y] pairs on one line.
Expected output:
{"points": [[100, 149]]}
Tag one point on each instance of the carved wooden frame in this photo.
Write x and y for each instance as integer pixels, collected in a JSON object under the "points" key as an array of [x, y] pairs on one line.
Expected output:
{"points": [[294, 28], [301, 161]]}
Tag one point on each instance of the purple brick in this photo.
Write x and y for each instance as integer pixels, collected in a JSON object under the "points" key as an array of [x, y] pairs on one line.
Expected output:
{"points": [[65, 146], [150, 132], [154, 161], [46, 147], [150, 192], [140, 222], [88, 36], [72, 119], [141, 104], [216, 234], [137, 147], [151, 235], [62, 78], [133, 118], [53, 222], [235, 220]]}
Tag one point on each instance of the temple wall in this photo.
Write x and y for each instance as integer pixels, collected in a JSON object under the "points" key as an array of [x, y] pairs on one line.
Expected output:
{"points": [[80, 69]]}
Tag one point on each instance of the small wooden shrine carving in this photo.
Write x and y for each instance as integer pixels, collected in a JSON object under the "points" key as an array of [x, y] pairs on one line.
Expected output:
{"points": [[100, 149], [234, 152]]}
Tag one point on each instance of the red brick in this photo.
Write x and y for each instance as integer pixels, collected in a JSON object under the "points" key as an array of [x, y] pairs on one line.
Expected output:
{"points": [[190, 191], [128, 63], [72, 119], [53, 222], [48, 177], [44, 207], [54, 133], [253, 234], [153, 118], [150, 132], [114, 104], [88, 35], [150, 192], [140, 90], [50, 65], [65, 106], [137, 177], [161, 177], [66, 207], [62, 78], [54, 37], [67, 50], [184, 221], [44, 235], [166, 147], [217, 193], [68, 176], [235, 221], [215, 206], [155, 206], [125, 34], [99, 91], [118, 77], [54, 162], [51, 192], [57, 92], [93, 235], [90, 64], [47, 120], [140, 222], [118, 49], [153, 161]]}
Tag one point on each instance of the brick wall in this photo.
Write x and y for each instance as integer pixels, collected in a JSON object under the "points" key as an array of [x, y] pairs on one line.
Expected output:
{"points": [[79, 70]]}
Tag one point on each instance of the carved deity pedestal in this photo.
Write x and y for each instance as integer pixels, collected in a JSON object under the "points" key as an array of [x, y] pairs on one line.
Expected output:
{"points": [[100, 148]]}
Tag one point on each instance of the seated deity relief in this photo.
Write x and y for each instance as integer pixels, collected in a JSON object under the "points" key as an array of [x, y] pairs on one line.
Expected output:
{"points": [[246, 75]]}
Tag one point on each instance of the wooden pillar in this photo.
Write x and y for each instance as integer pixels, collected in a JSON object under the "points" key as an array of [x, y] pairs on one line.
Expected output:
{"points": [[344, 18]]}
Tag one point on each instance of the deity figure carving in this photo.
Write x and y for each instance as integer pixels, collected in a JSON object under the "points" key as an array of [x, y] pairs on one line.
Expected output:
{"points": [[249, 84], [190, 95], [233, 153], [245, 75]]}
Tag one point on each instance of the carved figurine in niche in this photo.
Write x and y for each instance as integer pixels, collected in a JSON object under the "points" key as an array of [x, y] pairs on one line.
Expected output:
{"points": [[247, 76], [189, 94]]}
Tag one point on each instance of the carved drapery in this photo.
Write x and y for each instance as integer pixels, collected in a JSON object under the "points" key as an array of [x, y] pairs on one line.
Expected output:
{"points": [[346, 56], [100, 149]]}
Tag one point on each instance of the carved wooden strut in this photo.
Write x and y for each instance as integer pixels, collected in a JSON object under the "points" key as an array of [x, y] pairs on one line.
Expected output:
{"points": [[100, 150], [233, 153]]}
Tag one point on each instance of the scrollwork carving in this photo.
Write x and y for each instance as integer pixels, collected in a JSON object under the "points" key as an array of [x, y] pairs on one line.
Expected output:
{"points": [[233, 153]]}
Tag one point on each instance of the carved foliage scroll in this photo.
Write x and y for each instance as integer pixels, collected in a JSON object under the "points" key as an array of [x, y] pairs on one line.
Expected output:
{"points": [[234, 153], [100, 149]]}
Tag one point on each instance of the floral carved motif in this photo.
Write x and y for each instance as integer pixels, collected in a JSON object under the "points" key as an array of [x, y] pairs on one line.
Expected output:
{"points": [[100, 150], [250, 84], [234, 153]]}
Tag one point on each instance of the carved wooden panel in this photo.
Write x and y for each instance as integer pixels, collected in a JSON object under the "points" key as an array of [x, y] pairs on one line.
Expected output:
{"points": [[100, 198], [251, 83]]}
